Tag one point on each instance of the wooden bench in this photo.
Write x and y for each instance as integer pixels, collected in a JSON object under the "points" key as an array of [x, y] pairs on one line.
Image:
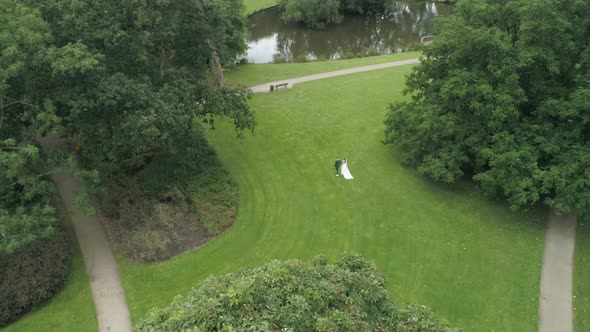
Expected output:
{"points": [[277, 86]]}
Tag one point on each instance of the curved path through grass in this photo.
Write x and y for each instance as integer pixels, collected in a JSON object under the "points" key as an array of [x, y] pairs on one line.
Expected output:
{"points": [[108, 295]]}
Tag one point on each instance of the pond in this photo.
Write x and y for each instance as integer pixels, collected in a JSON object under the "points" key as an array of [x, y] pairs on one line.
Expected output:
{"points": [[271, 40]]}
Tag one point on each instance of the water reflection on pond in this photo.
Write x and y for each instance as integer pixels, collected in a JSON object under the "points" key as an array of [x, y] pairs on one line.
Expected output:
{"points": [[271, 40]]}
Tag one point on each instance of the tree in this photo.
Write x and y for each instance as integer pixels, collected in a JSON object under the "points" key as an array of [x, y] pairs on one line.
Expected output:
{"points": [[26, 213], [226, 37], [349, 295], [500, 95], [139, 74], [316, 14]]}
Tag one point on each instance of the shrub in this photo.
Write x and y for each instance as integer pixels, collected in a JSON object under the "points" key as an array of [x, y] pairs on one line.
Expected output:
{"points": [[33, 274], [293, 296], [315, 14], [178, 201]]}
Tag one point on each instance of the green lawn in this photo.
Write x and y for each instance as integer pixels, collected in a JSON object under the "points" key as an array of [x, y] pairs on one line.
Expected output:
{"points": [[582, 278], [72, 309], [472, 260], [253, 6], [253, 74]]}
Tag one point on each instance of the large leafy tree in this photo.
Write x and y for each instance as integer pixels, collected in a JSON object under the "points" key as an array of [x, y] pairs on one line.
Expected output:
{"points": [[124, 79], [134, 74], [503, 95], [293, 295]]}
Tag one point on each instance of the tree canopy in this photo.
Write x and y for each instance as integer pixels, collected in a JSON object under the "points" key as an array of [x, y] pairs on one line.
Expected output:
{"points": [[26, 213], [294, 295], [124, 80], [130, 80], [503, 96], [318, 14]]}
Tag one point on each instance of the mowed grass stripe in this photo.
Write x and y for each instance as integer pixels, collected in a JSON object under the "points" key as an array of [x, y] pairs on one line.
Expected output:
{"points": [[472, 260]]}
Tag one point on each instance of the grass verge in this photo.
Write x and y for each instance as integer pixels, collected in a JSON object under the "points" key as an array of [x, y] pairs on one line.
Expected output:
{"points": [[472, 260], [253, 74]]}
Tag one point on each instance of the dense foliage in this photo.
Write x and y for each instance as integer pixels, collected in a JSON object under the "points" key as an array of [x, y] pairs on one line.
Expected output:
{"points": [[317, 14], [124, 81], [293, 295], [504, 95], [25, 211], [26, 214], [131, 75], [32, 274]]}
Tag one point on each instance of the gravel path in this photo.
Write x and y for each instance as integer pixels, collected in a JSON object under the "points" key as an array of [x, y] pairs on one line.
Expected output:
{"points": [[109, 299], [292, 81], [555, 302]]}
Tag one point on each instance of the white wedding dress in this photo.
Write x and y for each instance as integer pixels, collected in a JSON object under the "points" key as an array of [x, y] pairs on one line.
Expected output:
{"points": [[345, 172]]}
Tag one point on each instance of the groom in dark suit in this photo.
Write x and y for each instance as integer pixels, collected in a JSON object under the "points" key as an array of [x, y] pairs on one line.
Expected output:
{"points": [[337, 165]]}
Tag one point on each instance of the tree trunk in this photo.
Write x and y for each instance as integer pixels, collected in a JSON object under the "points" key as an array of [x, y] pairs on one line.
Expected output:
{"points": [[215, 63]]}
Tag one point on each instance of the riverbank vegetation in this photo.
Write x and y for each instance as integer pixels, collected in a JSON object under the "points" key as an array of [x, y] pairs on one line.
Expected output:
{"points": [[317, 14]]}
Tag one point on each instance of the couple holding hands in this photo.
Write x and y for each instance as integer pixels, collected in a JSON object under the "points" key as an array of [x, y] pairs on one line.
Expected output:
{"points": [[342, 167]]}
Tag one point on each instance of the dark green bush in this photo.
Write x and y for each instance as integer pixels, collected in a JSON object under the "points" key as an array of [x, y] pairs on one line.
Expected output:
{"points": [[293, 295], [33, 274], [178, 201]]}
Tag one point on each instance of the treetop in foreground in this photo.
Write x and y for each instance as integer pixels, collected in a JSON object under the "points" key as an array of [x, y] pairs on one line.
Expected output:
{"points": [[503, 95], [293, 295]]}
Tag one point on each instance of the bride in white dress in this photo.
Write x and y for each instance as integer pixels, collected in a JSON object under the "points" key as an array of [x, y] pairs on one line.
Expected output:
{"points": [[345, 171]]}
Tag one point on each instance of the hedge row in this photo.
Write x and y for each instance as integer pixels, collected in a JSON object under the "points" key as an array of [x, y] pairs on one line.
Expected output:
{"points": [[33, 274]]}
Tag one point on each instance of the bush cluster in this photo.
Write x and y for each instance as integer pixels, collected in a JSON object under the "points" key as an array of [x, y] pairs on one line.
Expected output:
{"points": [[317, 14], [178, 201], [294, 295], [33, 274]]}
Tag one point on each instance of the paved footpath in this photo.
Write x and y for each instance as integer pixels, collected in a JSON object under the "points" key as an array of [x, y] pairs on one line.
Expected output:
{"points": [[555, 302], [109, 299], [292, 81]]}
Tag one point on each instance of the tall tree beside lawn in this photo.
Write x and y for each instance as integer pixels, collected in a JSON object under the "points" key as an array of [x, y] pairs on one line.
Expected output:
{"points": [[504, 95], [141, 75]]}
